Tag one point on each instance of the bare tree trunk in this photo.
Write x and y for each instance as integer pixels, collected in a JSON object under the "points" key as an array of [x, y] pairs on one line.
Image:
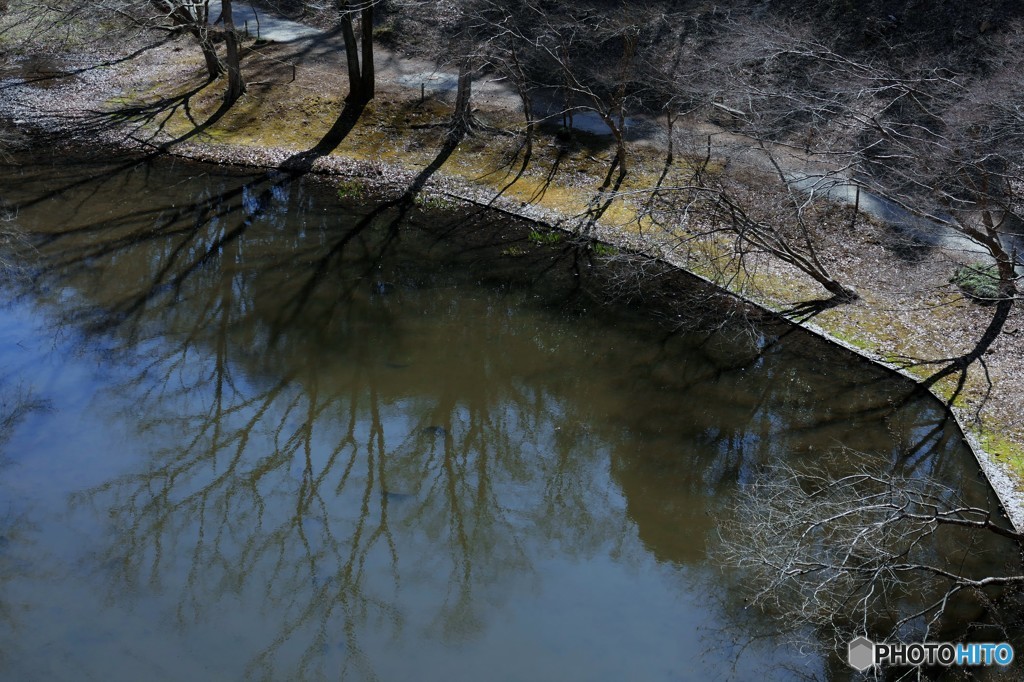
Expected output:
{"points": [[619, 128], [355, 76], [531, 123], [214, 65], [361, 77], [567, 106], [619, 134], [523, 88], [462, 118], [194, 19], [670, 120], [236, 86], [368, 75]]}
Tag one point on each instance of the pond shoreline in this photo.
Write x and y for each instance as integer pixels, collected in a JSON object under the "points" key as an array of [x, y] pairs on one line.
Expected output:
{"points": [[64, 112]]}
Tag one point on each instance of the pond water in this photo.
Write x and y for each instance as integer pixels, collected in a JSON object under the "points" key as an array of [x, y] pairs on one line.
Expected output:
{"points": [[271, 434]]}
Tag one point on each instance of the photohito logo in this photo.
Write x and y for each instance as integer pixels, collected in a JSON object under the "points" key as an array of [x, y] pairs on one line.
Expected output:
{"points": [[863, 654]]}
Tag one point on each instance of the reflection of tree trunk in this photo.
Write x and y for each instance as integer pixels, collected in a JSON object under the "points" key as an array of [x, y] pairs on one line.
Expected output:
{"points": [[225, 306], [236, 86]]}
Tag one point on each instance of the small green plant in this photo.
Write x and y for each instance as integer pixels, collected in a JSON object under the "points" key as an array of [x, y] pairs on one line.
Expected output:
{"points": [[435, 203], [545, 238], [978, 282], [385, 34], [513, 252], [350, 189], [564, 135], [606, 250]]}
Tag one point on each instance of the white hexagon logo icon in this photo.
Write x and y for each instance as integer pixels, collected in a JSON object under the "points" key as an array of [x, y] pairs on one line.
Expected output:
{"points": [[861, 655]]}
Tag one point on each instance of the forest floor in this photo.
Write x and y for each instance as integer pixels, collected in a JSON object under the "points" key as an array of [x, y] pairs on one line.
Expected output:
{"points": [[155, 96]]}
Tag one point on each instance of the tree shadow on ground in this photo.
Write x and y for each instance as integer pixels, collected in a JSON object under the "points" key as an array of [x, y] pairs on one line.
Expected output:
{"points": [[58, 74], [154, 117], [959, 366], [805, 311], [302, 162]]}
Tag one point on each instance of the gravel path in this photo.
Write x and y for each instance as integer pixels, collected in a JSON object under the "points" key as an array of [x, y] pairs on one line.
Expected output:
{"points": [[264, 25]]}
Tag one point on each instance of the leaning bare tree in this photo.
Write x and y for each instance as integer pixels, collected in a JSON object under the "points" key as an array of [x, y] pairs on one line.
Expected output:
{"points": [[947, 148], [941, 147], [189, 16], [589, 53], [804, 121], [891, 557], [728, 225], [732, 207]]}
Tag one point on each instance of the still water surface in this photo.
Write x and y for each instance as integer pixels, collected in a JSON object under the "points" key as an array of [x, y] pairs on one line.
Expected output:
{"points": [[280, 436]]}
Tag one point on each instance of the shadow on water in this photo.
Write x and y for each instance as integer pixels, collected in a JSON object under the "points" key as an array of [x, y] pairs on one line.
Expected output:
{"points": [[412, 437]]}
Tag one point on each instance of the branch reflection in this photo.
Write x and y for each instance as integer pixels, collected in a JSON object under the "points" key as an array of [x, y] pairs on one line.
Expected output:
{"points": [[311, 451], [341, 449]]}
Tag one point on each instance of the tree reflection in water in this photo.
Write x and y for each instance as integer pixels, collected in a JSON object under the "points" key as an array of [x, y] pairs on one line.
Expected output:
{"points": [[339, 447], [318, 453]]}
